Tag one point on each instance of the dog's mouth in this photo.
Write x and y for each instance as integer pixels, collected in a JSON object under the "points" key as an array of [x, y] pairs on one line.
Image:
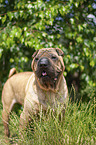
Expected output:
{"points": [[47, 78], [44, 73], [48, 75]]}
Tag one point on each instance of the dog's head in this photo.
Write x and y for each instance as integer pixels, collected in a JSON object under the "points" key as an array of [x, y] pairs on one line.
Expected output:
{"points": [[48, 67]]}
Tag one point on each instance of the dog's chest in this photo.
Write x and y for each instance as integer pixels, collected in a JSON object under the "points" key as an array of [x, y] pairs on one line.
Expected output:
{"points": [[43, 98], [47, 98], [39, 97]]}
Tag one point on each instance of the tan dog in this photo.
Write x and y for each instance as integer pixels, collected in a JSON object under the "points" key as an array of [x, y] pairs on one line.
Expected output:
{"points": [[45, 86]]}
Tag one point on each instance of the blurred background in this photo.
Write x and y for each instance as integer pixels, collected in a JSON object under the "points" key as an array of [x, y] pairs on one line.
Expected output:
{"points": [[70, 25]]}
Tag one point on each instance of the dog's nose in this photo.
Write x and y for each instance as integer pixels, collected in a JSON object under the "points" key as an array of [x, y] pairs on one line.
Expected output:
{"points": [[43, 62]]}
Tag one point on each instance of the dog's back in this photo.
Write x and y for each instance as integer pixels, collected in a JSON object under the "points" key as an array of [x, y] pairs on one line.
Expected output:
{"points": [[15, 86]]}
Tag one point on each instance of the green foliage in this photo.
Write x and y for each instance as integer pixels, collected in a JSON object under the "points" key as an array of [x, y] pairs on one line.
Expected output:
{"points": [[26, 26]]}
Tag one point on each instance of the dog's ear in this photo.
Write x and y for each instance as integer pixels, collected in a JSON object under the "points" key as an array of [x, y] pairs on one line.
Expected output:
{"points": [[59, 51], [35, 53]]}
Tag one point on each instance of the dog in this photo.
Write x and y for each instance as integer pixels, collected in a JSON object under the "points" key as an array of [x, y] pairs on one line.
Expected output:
{"points": [[45, 86]]}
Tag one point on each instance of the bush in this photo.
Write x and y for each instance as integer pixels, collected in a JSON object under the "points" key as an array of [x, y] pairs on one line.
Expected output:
{"points": [[26, 26]]}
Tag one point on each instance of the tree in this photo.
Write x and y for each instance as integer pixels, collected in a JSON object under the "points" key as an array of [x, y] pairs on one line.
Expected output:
{"points": [[26, 26]]}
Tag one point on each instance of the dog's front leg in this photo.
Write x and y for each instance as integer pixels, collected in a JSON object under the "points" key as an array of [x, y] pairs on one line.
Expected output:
{"points": [[26, 114], [24, 117]]}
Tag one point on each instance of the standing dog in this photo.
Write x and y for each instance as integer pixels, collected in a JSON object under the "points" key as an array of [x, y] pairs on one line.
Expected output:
{"points": [[45, 86]]}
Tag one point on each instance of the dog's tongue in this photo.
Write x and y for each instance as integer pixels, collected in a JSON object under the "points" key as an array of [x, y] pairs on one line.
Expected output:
{"points": [[44, 73]]}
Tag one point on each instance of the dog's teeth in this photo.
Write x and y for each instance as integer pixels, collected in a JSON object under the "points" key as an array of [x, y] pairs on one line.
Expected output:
{"points": [[44, 73]]}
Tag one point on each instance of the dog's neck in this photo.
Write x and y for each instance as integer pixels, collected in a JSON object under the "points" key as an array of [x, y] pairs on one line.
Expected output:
{"points": [[50, 89]]}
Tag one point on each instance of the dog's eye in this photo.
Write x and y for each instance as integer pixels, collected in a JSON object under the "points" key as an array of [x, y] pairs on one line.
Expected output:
{"points": [[36, 59], [54, 57]]}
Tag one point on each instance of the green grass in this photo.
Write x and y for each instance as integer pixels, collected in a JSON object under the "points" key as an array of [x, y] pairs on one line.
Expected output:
{"points": [[78, 127]]}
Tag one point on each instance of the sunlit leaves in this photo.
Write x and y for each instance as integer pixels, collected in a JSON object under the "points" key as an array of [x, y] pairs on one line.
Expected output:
{"points": [[92, 63], [1, 50], [11, 15], [4, 19]]}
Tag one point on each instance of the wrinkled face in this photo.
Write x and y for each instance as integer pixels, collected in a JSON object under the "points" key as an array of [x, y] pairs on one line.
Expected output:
{"points": [[48, 67]]}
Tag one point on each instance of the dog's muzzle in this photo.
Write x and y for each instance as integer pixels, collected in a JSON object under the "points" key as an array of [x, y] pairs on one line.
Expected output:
{"points": [[43, 65], [43, 62]]}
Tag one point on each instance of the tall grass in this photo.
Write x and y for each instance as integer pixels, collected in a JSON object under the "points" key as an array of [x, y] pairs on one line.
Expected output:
{"points": [[77, 128]]}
